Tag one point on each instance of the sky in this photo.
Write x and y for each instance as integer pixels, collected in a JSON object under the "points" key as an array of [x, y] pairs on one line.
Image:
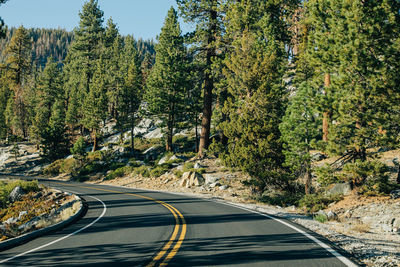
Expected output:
{"points": [[141, 18]]}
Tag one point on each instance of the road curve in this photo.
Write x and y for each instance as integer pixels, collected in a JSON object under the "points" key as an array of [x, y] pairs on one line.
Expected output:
{"points": [[129, 227]]}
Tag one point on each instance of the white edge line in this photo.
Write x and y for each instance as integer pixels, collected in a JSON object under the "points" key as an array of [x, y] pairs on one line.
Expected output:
{"points": [[342, 258], [328, 248], [64, 237]]}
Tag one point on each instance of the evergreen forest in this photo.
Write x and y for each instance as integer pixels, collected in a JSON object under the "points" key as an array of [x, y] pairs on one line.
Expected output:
{"points": [[264, 84]]}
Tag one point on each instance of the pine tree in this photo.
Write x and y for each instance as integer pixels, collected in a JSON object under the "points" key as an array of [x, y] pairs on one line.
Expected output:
{"points": [[55, 142], [300, 130], [352, 44], [167, 83], [82, 60], [207, 14], [49, 90], [18, 66], [254, 70], [131, 93], [95, 103]]}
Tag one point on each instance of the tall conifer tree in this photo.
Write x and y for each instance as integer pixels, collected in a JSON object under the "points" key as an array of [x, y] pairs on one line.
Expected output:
{"points": [[82, 59], [207, 15], [167, 83]]}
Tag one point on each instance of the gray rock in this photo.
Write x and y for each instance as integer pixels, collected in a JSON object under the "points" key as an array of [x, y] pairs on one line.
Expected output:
{"points": [[174, 157], [386, 228], [11, 221], [16, 194], [152, 153], [186, 175], [318, 156], [198, 166], [224, 187], [214, 184], [22, 213], [395, 194], [163, 160], [210, 178], [321, 213], [196, 179], [332, 216], [339, 189]]}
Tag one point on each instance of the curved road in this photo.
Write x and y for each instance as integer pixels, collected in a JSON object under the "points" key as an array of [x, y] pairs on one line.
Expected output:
{"points": [[128, 227]]}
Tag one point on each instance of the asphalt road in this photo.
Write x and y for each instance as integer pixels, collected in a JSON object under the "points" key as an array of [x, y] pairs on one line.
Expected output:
{"points": [[127, 227]]}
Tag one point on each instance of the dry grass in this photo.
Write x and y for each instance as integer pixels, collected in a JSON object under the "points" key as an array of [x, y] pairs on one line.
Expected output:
{"points": [[361, 228]]}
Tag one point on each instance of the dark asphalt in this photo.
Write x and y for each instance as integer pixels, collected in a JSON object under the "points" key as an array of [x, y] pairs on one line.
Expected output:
{"points": [[134, 230]]}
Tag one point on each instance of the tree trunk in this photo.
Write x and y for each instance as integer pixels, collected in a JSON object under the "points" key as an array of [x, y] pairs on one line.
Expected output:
{"points": [[326, 115], [94, 141], [132, 136], [168, 146], [398, 176], [196, 144], [308, 182], [208, 86], [222, 100]]}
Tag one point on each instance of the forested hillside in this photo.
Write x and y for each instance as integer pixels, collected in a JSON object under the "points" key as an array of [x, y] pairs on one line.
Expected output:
{"points": [[45, 43], [267, 82]]}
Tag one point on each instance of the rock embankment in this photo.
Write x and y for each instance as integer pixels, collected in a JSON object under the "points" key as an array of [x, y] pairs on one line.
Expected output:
{"points": [[37, 210]]}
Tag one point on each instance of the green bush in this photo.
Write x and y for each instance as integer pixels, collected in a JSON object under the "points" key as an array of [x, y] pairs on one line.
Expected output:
{"points": [[116, 165], [90, 168], [188, 166], [159, 170], [372, 177], [177, 173], [68, 165], [322, 218], [54, 168], [316, 202], [326, 176], [7, 187], [120, 172], [79, 148], [142, 170]]}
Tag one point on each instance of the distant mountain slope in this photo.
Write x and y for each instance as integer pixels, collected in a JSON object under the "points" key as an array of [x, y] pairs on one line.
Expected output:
{"points": [[55, 43]]}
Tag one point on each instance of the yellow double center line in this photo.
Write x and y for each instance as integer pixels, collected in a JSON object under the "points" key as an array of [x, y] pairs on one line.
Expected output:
{"points": [[172, 246]]}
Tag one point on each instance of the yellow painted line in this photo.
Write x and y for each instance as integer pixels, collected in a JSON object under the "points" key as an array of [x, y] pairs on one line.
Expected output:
{"points": [[180, 240], [177, 215]]}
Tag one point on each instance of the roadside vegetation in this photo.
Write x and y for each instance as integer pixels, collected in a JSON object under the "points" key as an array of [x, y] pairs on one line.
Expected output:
{"points": [[272, 89]]}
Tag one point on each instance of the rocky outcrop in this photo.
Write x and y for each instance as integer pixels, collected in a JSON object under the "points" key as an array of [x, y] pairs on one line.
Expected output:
{"points": [[339, 189], [190, 179], [16, 194]]}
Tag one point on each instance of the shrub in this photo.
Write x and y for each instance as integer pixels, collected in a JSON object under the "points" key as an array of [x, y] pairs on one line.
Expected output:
{"points": [[282, 199], [54, 168], [142, 170], [91, 167], [326, 176], [372, 177], [322, 218], [178, 173], [79, 149], [69, 165], [159, 170], [188, 166], [316, 202], [8, 187]]}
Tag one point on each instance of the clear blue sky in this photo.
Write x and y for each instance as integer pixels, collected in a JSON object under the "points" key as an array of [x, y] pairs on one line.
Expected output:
{"points": [[142, 18]]}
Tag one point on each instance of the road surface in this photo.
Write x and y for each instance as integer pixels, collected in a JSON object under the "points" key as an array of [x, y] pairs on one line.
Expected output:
{"points": [[129, 227]]}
